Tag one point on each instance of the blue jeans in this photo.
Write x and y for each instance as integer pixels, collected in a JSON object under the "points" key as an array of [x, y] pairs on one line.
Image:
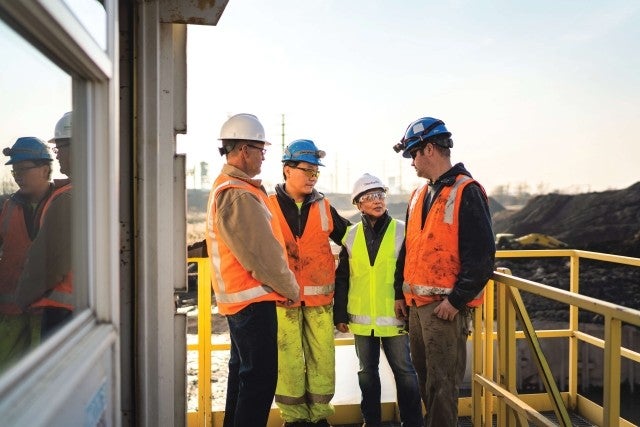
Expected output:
{"points": [[253, 365], [397, 351]]}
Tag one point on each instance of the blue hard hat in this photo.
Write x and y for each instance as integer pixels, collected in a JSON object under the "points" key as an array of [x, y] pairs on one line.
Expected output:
{"points": [[419, 132], [27, 148], [303, 150]]}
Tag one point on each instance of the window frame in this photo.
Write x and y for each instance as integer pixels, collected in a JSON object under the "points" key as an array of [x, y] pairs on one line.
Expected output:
{"points": [[51, 28]]}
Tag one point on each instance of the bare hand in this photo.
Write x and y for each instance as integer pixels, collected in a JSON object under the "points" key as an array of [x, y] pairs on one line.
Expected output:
{"points": [[445, 310], [342, 327], [400, 308]]}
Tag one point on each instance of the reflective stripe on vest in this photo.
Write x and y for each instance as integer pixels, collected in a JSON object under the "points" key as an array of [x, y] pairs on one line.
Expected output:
{"points": [[430, 275], [310, 256], [424, 290], [61, 295], [245, 295], [371, 298], [430, 290], [235, 287], [319, 290], [380, 321]]}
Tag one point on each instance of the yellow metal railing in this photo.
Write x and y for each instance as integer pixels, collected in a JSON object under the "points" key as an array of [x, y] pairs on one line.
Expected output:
{"points": [[493, 383], [494, 389]]}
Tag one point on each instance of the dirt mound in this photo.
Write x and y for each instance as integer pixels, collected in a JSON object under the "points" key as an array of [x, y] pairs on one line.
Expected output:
{"points": [[606, 221]]}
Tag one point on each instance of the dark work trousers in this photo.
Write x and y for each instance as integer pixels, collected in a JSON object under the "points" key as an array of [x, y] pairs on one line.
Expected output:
{"points": [[52, 319], [439, 354], [253, 365], [396, 349]]}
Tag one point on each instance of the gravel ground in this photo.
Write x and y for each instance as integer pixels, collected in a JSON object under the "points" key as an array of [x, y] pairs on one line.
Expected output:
{"points": [[219, 360]]}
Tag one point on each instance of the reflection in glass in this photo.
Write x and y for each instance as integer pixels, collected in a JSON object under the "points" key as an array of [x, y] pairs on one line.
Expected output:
{"points": [[93, 18], [36, 291]]}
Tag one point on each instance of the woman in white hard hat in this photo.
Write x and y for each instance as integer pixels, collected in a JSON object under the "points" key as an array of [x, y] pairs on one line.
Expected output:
{"points": [[364, 303], [306, 353], [19, 224]]}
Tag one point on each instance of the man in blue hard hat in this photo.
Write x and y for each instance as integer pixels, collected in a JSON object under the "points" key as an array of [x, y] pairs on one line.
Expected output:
{"points": [[46, 285], [446, 260], [306, 353], [20, 220]]}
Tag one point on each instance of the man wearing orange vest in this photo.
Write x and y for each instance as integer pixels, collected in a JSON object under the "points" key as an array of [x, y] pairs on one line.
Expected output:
{"points": [[306, 357], [247, 254], [447, 258], [46, 283], [31, 161]]}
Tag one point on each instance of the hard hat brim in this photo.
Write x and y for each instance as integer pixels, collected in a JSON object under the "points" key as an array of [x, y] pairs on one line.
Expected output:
{"points": [[244, 139]]}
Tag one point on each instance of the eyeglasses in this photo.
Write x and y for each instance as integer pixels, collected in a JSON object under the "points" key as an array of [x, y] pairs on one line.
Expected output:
{"points": [[414, 153], [57, 148], [22, 171], [371, 197], [264, 151], [310, 173]]}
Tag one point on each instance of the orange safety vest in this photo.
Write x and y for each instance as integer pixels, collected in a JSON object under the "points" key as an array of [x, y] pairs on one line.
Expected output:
{"points": [[15, 246], [432, 261], [310, 256], [61, 295], [235, 287]]}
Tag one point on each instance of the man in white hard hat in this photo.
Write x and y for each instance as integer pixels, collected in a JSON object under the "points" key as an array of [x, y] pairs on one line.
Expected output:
{"points": [[443, 267], [62, 141], [46, 284], [247, 254], [364, 303]]}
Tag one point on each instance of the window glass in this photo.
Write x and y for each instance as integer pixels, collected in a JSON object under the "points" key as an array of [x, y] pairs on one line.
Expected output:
{"points": [[93, 18], [37, 293]]}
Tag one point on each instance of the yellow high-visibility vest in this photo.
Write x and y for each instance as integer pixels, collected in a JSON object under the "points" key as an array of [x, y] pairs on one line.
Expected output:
{"points": [[371, 296]]}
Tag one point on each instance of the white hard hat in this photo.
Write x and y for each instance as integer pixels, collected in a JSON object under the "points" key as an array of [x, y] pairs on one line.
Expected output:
{"points": [[243, 126], [63, 127], [365, 183]]}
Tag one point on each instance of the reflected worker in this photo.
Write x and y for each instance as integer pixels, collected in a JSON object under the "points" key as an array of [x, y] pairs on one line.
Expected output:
{"points": [[46, 284], [31, 161]]}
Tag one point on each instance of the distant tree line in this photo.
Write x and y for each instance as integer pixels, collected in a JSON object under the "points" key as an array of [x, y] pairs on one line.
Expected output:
{"points": [[7, 186]]}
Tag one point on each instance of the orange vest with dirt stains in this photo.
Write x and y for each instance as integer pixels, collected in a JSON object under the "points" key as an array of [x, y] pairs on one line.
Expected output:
{"points": [[61, 295], [310, 256], [432, 261], [235, 287], [15, 245]]}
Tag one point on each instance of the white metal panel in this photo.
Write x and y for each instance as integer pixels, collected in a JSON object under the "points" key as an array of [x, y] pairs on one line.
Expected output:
{"points": [[180, 80], [72, 390], [180, 370], [180, 223], [155, 222]]}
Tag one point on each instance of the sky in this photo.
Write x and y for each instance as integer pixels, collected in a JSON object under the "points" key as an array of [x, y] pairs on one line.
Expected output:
{"points": [[539, 96]]}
